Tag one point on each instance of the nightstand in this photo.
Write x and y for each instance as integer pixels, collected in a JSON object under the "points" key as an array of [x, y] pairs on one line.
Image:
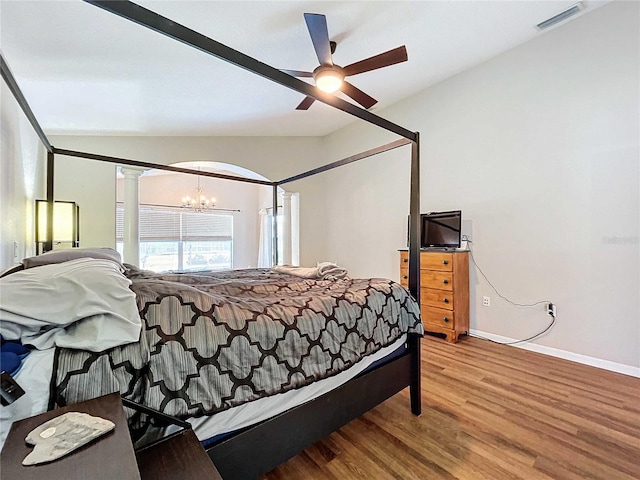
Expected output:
{"points": [[108, 457], [179, 456]]}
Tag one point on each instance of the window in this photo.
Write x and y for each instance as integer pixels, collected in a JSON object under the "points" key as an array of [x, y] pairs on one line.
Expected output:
{"points": [[174, 239]]}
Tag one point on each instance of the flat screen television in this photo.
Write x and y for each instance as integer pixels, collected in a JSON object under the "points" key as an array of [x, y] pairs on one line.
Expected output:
{"points": [[441, 229]]}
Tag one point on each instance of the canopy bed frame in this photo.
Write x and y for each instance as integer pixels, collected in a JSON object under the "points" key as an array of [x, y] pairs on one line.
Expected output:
{"points": [[257, 449]]}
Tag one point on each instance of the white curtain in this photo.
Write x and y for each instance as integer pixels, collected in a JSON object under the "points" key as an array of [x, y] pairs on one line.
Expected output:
{"points": [[265, 257]]}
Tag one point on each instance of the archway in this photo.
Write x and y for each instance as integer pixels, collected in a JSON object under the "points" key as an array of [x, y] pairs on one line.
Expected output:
{"points": [[233, 231]]}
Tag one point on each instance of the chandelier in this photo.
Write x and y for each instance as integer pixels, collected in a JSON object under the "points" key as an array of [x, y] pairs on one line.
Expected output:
{"points": [[199, 203]]}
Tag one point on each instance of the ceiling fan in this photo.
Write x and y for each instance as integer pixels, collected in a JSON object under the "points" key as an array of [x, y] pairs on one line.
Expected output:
{"points": [[330, 77]]}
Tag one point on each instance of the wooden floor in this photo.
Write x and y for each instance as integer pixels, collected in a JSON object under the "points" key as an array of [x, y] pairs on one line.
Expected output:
{"points": [[489, 412]]}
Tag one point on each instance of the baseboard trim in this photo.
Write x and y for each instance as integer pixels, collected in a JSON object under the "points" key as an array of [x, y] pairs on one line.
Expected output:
{"points": [[556, 352]]}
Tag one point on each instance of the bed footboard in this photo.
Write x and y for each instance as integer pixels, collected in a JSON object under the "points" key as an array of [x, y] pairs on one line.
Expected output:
{"points": [[260, 448]]}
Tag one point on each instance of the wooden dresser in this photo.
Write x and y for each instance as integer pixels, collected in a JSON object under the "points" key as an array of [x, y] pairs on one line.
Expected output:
{"points": [[444, 290]]}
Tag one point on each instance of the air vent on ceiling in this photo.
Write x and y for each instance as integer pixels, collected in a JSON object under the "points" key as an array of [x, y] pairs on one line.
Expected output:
{"points": [[569, 12]]}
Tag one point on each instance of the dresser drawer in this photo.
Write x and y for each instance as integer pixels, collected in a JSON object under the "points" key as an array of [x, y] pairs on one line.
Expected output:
{"points": [[436, 298], [442, 262], [437, 316], [404, 276], [438, 280]]}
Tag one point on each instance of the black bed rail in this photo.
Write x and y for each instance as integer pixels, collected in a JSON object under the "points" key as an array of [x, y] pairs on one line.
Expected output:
{"points": [[22, 102], [163, 417], [345, 161], [256, 450], [176, 31], [157, 166]]}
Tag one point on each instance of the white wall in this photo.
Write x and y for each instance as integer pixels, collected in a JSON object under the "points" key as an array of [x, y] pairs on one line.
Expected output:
{"points": [[91, 185], [366, 208], [539, 148], [22, 181]]}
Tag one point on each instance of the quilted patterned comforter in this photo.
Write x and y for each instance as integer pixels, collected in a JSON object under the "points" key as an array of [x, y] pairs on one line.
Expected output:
{"points": [[213, 340]]}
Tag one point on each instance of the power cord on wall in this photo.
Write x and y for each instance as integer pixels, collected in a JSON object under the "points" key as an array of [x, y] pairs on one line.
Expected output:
{"points": [[552, 311]]}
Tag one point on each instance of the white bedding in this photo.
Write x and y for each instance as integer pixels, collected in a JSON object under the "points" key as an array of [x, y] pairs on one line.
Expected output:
{"points": [[82, 304], [323, 271], [34, 378]]}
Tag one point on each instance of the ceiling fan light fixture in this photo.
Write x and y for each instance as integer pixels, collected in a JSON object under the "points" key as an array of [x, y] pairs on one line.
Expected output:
{"points": [[329, 77], [329, 80]]}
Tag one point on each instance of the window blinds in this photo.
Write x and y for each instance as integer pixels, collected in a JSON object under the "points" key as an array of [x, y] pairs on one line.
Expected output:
{"points": [[165, 224], [204, 226]]}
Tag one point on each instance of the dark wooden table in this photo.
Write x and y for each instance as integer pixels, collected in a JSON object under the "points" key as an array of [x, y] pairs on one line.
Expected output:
{"points": [[178, 458], [108, 457]]}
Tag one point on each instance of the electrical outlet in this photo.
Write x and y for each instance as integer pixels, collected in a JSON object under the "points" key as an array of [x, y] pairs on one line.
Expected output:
{"points": [[486, 301], [551, 310]]}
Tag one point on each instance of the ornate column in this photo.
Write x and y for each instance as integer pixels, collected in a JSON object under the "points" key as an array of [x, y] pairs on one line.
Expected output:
{"points": [[264, 245], [286, 228], [131, 221]]}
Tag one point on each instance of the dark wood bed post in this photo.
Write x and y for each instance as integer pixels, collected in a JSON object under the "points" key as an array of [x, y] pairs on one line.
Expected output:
{"points": [[414, 272], [48, 244], [274, 233]]}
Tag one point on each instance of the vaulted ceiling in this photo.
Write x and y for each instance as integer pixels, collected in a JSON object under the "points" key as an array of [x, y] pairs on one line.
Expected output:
{"points": [[86, 71]]}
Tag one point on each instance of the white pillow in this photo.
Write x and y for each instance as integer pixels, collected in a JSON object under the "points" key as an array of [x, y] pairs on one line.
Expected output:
{"points": [[84, 304], [59, 256]]}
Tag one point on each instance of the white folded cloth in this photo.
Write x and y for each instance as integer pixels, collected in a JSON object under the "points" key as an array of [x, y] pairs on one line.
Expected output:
{"points": [[328, 269], [323, 271], [304, 272]]}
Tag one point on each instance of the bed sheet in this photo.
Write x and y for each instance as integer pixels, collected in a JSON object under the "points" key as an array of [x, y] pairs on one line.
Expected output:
{"points": [[34, 377]]}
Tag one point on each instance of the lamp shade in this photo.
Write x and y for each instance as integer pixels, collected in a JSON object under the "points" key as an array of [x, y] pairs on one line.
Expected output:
{"points": [[65, 222]]}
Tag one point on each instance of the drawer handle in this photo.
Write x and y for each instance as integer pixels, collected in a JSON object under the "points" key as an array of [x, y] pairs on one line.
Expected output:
{"points": [[446, 319], [405, 260], [446, 300], [404, 277], [445, 281], [445, 262]]}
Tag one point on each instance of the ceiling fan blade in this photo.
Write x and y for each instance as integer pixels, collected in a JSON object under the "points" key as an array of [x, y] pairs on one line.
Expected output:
{"points": [[358, 95], [317, 25], [306, 103], [297, 73], [397, 55]]}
